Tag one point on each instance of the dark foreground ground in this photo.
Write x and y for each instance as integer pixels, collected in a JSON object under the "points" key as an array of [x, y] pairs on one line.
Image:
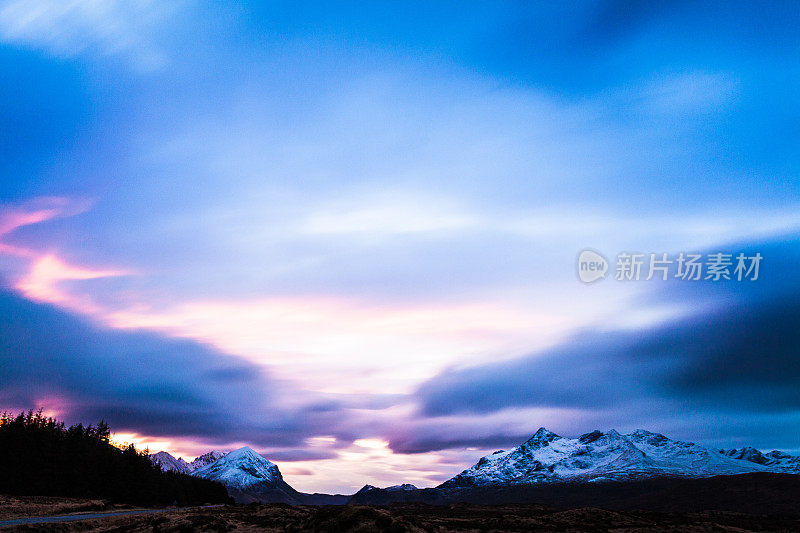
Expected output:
{"points": [[410, 517], [23, 506], [757, 494]]}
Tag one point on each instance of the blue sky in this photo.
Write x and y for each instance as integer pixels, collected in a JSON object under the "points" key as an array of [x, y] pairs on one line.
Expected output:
{"points": [[348, 233]]}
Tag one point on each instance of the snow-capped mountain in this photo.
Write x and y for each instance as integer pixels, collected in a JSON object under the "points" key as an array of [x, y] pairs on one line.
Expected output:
{"points": [[206, 459], [168, 463], [250, 477], [404, 486], [775, 460], [241, 469], [609, 456]]}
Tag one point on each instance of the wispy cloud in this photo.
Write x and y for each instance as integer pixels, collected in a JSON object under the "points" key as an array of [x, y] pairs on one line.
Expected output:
{"points": [[101, 28], [37, 210], [383, 215], [42, 271], [41, 283]]}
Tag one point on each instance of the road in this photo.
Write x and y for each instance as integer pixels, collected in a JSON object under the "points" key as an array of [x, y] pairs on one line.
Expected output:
{"points": [[88, 516]]}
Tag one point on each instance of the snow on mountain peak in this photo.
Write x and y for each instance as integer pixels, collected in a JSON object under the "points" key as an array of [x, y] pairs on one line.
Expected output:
{"points": [[606, 456], [642, 435], [245, 453], [206, 459], [241, 469], [774, 461], [168, 463], [404, 486], [542, 437]]}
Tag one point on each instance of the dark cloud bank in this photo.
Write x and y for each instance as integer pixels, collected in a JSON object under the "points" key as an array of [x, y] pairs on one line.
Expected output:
{"points": [[143, 382], [727, 371]]}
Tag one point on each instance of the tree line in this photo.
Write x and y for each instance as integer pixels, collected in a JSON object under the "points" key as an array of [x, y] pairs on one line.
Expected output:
{"points": [[41, 456]]}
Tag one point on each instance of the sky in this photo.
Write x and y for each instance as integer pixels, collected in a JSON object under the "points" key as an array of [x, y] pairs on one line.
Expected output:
{"points": [[346, 234]]}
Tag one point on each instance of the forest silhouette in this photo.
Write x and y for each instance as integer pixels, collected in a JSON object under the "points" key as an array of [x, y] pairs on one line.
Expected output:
{"points": [[41, 456]]}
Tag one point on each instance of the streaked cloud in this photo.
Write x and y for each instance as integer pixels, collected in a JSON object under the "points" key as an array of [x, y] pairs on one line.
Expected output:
{"points": [[731, 355], [104, 28], [356, 346], [144, 384], [41, 283], [387, 215], [42, 273]]}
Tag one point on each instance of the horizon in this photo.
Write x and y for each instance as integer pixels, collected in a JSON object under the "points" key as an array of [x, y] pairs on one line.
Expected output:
{"points": [[537, 431], [378, 242], [606, 432]]}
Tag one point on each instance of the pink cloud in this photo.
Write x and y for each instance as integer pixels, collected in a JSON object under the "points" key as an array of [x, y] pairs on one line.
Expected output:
{"points": [[33, 212], [38, 210], [41, 282], [45, 270], [341, 345]]}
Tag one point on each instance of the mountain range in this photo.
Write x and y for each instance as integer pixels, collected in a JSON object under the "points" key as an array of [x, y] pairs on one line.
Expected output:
{"points": [[545, 459], [168, 463], [611, 456]]}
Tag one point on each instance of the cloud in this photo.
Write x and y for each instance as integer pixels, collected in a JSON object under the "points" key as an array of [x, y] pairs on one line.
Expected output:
{"points": [[733, 355], [105, 28], [736, 357], [382, 216], [143, 383], [299, 454], [13, 217], [44, 272], [41, 282], [414, 341], [416, 434]]}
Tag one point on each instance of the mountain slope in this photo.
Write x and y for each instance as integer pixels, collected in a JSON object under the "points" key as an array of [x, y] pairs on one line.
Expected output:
{"points": [[775, 460], [241, 469], [250, 477], [598, 456], [247, 476], [168, 463], [206, 459]]}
